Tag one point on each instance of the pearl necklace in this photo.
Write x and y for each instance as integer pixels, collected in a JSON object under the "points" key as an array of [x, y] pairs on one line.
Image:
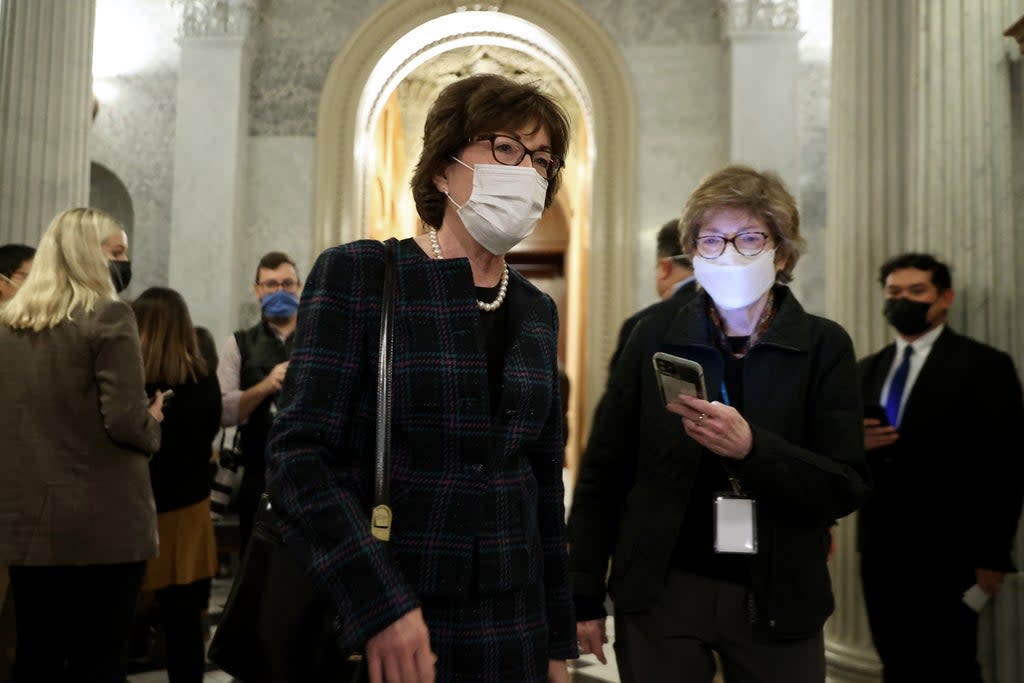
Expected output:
{"points": [[502, 291]]}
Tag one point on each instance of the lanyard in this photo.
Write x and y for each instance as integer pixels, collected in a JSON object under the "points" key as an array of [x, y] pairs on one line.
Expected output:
{"points": [[734, 481]]}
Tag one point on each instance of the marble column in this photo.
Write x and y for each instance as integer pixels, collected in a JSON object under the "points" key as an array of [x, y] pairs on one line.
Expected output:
{"points": [[962, 208], [763, 72], [961, 197], [921, 159], [867, 220], [211, 136], [45, 102]]}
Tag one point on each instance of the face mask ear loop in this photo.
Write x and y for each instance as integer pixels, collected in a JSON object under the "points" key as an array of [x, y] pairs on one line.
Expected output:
{"points": [[457, 205], [460, 161]]}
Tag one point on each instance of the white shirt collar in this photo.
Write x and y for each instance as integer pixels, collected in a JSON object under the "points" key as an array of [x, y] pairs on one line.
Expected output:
{"points": [[922, 344]]}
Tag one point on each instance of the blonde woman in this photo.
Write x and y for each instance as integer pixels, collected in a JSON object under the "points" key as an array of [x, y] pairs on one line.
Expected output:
{"points": [[77, 517]]}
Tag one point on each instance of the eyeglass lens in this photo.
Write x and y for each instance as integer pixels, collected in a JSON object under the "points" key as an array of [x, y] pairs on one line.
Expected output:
{"points": [[746, 243], [283, 284], [510, 152]]}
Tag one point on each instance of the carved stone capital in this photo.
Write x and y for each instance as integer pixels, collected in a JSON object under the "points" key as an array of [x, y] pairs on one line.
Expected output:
{"points": [[492, 6], [741, 16], [201, 18]]}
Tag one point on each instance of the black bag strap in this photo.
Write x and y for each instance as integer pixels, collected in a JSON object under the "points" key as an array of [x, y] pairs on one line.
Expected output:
{"points": [[380, 520]]}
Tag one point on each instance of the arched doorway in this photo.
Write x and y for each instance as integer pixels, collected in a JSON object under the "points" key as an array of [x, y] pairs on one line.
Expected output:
{"points": [[405, 34]]}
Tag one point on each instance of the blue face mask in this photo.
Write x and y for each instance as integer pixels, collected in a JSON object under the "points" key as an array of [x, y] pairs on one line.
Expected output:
{"points": [[280, 304]]}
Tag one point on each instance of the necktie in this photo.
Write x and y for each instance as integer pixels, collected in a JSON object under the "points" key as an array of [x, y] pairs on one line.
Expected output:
{"points": [[899, 383]]}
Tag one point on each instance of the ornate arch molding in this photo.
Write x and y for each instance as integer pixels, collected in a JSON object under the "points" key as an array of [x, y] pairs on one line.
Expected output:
{"points": [[564, 37]]}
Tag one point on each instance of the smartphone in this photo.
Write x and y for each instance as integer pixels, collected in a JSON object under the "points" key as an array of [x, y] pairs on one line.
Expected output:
{"points": [[678, 376], [878, 412]]}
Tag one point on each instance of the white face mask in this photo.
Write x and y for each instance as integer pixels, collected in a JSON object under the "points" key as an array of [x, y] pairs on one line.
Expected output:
{"points": [[733, 280], [504, 206]]}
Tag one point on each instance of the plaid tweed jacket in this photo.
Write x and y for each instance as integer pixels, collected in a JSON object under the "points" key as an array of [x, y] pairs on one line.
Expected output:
{"points": [[477, 500]]}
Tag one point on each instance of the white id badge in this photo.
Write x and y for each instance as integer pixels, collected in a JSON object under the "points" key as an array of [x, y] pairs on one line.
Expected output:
{"points": [[735, 531]]}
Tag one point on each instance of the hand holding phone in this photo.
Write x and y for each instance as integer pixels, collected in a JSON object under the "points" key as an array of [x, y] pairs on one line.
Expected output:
{"points": [[877, 412], [678, 375], [881, 434]]}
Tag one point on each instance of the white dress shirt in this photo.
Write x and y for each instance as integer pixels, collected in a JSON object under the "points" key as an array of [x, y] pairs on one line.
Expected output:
{"points": [[922, 347]]}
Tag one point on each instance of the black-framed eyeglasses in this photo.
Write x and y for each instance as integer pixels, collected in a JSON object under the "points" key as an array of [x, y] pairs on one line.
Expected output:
{"points": [[286, 285], [510, 152], [747, 243]]}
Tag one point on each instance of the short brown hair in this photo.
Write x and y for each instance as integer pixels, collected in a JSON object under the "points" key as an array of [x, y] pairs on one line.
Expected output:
{"points": [[469, 107], [273, 260], [170, 348], [760, 193]]}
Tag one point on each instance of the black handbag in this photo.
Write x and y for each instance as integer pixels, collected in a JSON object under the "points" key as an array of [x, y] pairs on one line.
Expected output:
{"points": [[277, 625]]}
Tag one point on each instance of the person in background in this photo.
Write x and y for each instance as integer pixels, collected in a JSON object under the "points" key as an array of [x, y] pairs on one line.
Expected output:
{"points": [[180, 475], [775, 447], [940, 434], [251, 372], [673, 281], [115, 247], [77, 516], [15, 263], [473, 585]]}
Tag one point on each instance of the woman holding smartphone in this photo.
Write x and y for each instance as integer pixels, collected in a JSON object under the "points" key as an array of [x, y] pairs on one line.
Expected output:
{"points": [[715, 512], [180, 474]]}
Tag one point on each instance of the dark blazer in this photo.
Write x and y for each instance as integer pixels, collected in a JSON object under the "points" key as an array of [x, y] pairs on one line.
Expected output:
{"points": [[682, 296], [477, 500], [806, 468], [76, 433], [950, 488]]}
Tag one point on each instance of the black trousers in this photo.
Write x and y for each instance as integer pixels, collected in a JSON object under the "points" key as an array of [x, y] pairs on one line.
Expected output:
{"points": [[181, 612], [673, 642], [919, 624], [74, 621]]}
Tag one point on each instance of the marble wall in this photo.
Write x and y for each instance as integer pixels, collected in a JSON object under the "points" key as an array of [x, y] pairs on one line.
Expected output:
{"points": [[295, 43], [279, 210], [133, 136]]}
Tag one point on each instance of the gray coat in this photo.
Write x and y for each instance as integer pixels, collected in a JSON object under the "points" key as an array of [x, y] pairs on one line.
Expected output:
{"points": [[75, 434]]}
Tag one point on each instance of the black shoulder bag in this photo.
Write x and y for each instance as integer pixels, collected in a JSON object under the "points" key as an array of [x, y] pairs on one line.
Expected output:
{"points": [[277, 625]]}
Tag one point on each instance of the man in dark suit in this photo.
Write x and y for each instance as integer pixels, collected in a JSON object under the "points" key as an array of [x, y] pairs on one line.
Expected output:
{"points": [[673, 280], [940, 435]]}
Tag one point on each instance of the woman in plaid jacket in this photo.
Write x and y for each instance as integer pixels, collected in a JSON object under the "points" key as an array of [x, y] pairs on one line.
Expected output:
{"points": [[474, 582]]}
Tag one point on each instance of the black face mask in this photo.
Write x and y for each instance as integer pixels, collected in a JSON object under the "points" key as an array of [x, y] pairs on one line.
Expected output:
{"points": [[908, 317], [121, 274]]}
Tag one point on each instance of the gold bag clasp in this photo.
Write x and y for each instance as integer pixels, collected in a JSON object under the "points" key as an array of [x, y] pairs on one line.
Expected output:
{"points": [[380, 523]]}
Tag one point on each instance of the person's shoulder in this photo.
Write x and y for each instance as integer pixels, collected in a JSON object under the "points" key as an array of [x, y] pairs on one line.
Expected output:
{"points": [[817, 331], [107, 311], [351, 250], [977, 350], [528, 290]]}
